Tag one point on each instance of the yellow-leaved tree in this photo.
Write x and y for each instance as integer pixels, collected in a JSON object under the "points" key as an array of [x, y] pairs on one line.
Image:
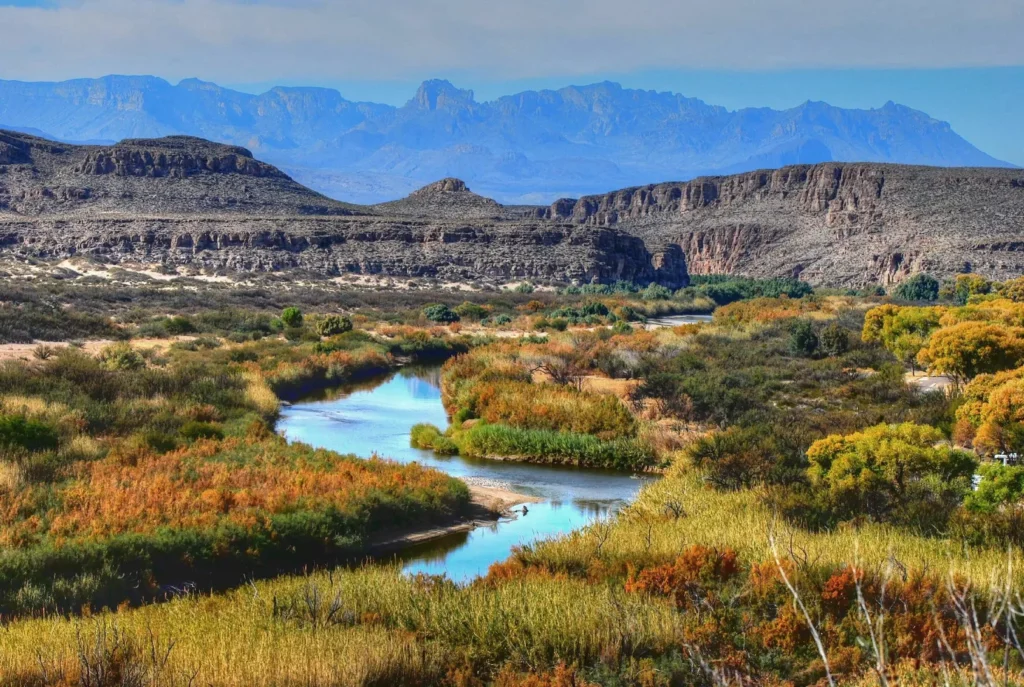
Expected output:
{"points": [[903, 331], [891, 473], [991, 417], [965, 350]]}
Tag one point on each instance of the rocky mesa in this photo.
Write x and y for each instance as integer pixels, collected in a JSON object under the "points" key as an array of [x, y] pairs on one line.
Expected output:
{"points": [[185, 201]]}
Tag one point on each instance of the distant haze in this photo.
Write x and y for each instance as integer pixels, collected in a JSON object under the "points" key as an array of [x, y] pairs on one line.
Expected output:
{"points": [[533, 146]]}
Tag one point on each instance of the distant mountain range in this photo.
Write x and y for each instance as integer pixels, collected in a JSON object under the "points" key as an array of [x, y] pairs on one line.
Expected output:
{"points": [[532, 147]]}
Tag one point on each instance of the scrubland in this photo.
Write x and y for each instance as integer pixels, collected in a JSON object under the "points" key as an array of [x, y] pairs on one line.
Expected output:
{"points": [[818, 520]]}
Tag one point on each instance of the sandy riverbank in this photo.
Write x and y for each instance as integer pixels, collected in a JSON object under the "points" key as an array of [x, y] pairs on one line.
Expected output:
{"points": [[498, 499], [490, 503]]}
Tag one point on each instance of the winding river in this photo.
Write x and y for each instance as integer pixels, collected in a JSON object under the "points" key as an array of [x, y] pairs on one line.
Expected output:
{"points": [[377, 417]]}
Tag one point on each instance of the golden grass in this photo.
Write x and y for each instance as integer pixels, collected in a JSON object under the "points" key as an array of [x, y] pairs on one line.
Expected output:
{"points": [[740, 521], [36, 408], [12, 477], [259, 393], [387, 627]]}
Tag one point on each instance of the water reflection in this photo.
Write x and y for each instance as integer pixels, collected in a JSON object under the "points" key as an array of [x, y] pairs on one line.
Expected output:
{"points": [[375, 418]]}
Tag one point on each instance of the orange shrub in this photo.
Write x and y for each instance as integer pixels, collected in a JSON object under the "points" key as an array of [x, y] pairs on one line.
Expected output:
{"points": [[764, 310], [232, 480]]}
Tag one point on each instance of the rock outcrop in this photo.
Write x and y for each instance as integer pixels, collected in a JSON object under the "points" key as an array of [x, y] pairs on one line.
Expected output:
{"points": [[837, 224], [176, 156], [182, 201]]}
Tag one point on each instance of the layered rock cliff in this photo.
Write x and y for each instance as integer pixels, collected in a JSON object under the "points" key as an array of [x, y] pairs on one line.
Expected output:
{"points": [[181, 201], [837, 224]]}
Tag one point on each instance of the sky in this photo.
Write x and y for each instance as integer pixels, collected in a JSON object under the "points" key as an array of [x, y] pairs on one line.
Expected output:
{"points": [[962, 63]]}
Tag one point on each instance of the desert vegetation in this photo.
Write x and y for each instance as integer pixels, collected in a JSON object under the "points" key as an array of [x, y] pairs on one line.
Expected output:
{"points": [[820, 518]]}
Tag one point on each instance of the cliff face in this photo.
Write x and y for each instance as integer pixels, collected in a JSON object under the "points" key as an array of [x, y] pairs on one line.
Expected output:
{"points": [[186, 201], [837, 224], [177, 157], [182, 201]]}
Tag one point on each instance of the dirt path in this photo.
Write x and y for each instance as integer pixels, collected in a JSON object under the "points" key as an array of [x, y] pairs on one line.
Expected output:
{"points": [[926, 382], [24, 351]]}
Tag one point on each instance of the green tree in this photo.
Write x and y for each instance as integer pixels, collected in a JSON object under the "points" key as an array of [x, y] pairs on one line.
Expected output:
{"points": [[1014, 290], [1000, 485], [292, 317], [903, 331], [907, 347], [967, 285], [891, 473], [332, 325], [920, 287]]}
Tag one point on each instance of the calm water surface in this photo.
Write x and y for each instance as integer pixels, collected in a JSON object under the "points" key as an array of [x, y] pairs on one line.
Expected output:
{"points": [[376, 419]]}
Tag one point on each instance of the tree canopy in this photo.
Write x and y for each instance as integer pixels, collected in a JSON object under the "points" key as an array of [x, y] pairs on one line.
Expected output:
{"points": [[889, 472], [965, 350]]}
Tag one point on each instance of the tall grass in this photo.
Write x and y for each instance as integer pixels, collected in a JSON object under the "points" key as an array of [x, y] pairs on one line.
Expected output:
{"points": [[371, 626], [681, 510], [546, 446]]}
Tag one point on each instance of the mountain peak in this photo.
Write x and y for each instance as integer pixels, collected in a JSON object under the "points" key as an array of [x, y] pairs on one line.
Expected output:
{"points": [[449, 185], [440, 94]]}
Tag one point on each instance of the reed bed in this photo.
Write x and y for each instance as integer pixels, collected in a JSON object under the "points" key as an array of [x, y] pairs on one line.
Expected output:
{"points": [[680, 510], [369, 626]]}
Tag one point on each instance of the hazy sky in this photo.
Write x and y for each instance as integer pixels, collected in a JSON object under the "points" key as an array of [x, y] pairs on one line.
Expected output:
{"points": [[961, 62]]}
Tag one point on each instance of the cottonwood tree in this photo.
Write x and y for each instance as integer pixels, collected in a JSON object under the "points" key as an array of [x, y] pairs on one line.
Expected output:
{"points": [[892, 473], [965, 350]]}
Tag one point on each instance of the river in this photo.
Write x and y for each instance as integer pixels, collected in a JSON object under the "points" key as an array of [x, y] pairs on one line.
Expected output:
{"points": [[677, 320], [376, 418]]}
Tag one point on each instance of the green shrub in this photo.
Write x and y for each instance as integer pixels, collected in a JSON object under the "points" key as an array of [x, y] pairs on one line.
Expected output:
{"points": [[440, 313], [545, 446], [524, 287], [178, 325], [803, 341], [202, 343], [292, 317], [201, 430], [471, 311], [429, 438], [746, 456], [656, 292], [835, 340], [31, 435], [121, 356], [333, 325], [920, 287]]}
